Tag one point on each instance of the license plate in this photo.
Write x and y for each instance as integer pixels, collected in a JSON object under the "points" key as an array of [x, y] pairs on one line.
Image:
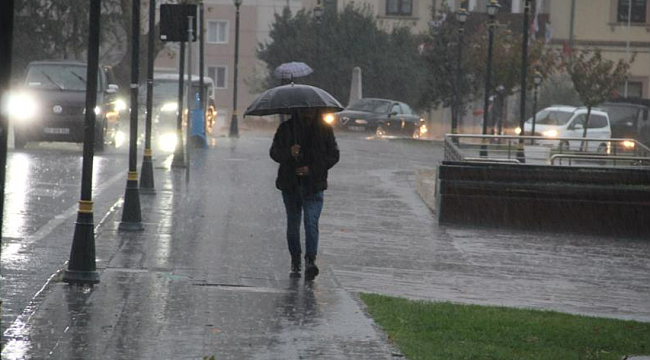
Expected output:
{"points": [[357, 128], [49, 130]]}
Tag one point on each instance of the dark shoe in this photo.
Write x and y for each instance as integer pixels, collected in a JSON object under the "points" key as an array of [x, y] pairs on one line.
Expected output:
{"points": [[295, 266], [311, 270]]}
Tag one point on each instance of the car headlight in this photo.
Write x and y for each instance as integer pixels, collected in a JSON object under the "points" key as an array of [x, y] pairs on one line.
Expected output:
{"points": [[518, 130], [120, 105], [423, 129], [120, 139], [167, 142], [329, 118], [21, 107], [550, 133], [98, 110], [169, 107], [628, 144]]}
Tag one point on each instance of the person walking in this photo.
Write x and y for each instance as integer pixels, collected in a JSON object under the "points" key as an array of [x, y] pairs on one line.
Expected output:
{"points": [[305, 148]]}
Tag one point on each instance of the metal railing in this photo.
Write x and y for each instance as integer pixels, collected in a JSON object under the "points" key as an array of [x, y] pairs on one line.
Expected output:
{"points": [[540, 150]]}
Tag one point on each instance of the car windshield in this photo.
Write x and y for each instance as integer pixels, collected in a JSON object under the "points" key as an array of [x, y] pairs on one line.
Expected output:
{"points": [[374, 106], [64, 77], [551, 117], [621, 114]]}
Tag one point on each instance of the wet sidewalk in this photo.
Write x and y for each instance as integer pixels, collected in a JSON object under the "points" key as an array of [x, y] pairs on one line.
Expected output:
{"points": [[209, 275]]}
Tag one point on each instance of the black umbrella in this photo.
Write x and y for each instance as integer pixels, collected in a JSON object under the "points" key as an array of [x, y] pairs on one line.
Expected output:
{"points": [[287, 98]]}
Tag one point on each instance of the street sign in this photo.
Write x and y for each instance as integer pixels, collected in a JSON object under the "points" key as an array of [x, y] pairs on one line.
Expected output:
{"points": [[173, 22]]}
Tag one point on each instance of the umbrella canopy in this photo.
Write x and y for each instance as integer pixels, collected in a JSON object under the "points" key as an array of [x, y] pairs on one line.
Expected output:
{"points": [[284, 99], [292, 70]]}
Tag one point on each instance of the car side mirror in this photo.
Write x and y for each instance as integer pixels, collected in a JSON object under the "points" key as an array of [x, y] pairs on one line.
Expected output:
{"points": [[393, 113], [112, 89], [578, 127]]}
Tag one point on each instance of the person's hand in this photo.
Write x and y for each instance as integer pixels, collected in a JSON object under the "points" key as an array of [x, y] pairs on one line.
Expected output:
{"points": [[295, 150], [302, 171]]}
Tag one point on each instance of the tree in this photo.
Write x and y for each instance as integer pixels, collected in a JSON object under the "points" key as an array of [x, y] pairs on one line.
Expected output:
{"points": [[58, 29], [391, 65], [440, 52], [596, 79]]}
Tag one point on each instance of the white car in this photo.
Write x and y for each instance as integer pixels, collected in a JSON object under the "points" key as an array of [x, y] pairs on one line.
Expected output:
{"points": [[557, 122]]}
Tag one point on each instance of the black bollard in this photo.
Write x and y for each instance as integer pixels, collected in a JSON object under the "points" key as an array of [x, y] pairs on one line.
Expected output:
{"points": [[131, 216], [82, 268]]}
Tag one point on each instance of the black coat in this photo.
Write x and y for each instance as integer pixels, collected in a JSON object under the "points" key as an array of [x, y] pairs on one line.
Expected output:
{"points": [[318, 150]]}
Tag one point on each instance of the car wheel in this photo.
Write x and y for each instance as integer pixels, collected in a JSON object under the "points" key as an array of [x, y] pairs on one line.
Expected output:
{"points": [[100, 136], [380, 132], [19, 140]]}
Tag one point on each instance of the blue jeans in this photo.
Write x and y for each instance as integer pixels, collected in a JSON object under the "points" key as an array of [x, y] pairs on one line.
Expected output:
{"points": [[295, 204]]}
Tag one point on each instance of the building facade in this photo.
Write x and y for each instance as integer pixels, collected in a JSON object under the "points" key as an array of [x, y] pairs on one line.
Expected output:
{"points": [[603, 24], [256, 17]]}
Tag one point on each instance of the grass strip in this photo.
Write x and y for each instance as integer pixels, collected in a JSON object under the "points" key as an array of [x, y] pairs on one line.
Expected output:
{"points": [[442, 330]]}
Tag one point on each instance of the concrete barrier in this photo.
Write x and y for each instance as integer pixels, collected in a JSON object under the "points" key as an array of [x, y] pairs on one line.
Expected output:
{"points": [[610, 201]]}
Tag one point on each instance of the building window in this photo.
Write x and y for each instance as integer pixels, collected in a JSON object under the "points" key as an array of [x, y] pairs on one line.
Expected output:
{"points": [[218, 75], [638, 11], [634, 89], [217, 32], [399, 7]]}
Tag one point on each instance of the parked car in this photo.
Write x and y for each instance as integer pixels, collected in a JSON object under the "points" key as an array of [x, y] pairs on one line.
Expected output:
{"points": [[557, 122], [381, 116], [51, 105], [629, 118]]}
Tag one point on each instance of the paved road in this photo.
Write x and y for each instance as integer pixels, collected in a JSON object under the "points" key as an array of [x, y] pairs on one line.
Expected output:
{"points": [[209, 273]]}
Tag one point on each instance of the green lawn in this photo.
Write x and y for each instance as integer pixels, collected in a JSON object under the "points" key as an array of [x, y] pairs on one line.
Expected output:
{"points": [[434, 330]]}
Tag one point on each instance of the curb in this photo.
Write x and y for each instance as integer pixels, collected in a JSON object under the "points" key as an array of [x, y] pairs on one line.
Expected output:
{"points": [[425, 186]]}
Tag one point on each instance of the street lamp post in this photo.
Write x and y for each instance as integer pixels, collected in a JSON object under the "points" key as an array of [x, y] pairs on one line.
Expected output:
{"points": [[492, 10], [234, 130], [499, 105], [318, 14], [461, 17], [179, 152], [537, 79], [146, 177], [524, 71]]}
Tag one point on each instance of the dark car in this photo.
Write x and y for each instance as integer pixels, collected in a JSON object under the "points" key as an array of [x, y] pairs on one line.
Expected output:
{"points": [[382, 117], [51, 105], [629, 118]]}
